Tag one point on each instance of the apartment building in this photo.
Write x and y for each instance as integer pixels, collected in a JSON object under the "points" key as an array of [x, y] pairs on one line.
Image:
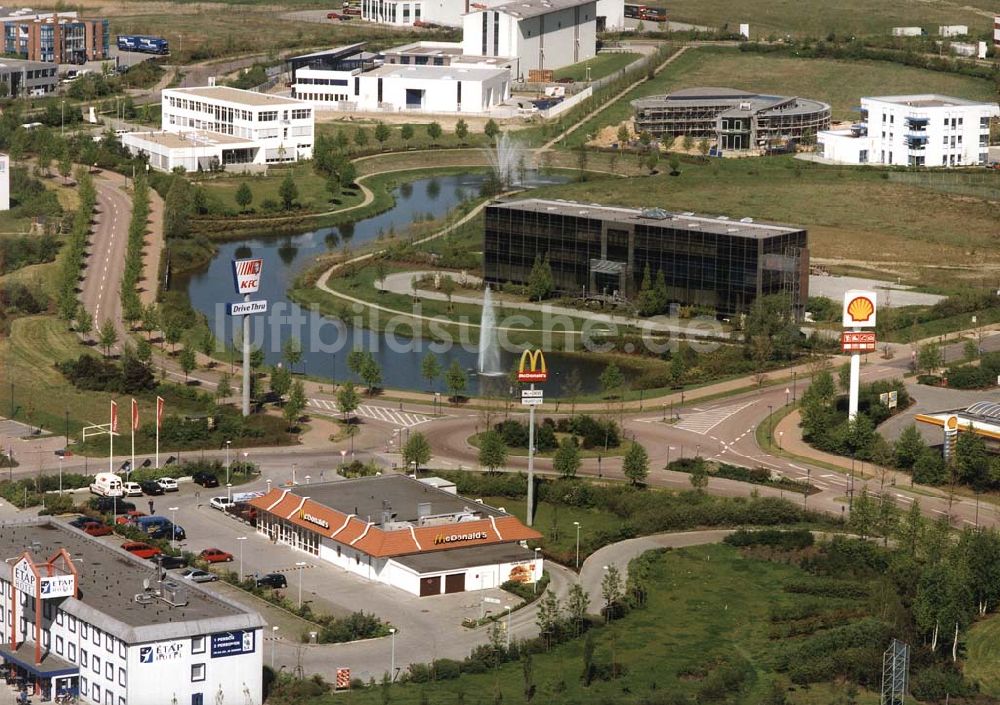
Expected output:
{"points": [[61, 38]]}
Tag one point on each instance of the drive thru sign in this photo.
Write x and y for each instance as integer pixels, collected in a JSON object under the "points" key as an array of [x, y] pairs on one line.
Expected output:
{"points": [[246, 275]]}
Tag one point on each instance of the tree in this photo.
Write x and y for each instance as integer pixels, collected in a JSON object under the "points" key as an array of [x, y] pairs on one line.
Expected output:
{"points": [[623, 136], [675, 165], [65, 163], [972, 461], [348, 399], [703, 147], [143, 351], [108, 336], [434, 132], [371, 374], [288, 192], [491, 130], [612, 380], [340, 140], [887, 517], [360, 137], [448, 288], [864, 515], [652, 160], [699, 475], [461, 131], [381, 272], [909, 447], [382, 133], [567, 458], [492, 451], [281, 381], [611, 591], [84, 322], [577, 603], [540, 281], [406, 133], [150, 319], [547, 617], [224, 389], [416, 451], [636, 464], [455, 380], [187, 361], [687, 143], [573, 387], [929, 358], [292, 352], [910, 530], [244, 196], [296, 403], [430, 368]]}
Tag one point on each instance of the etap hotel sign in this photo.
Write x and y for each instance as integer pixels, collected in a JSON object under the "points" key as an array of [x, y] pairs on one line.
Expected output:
{"points": [[456, 538], [26, 580]]}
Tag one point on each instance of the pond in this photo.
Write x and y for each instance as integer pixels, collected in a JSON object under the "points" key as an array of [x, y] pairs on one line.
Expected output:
{"points": [[326, 342]]}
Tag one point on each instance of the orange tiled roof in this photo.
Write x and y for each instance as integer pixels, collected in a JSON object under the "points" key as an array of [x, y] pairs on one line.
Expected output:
{"points": [[365, 536]]}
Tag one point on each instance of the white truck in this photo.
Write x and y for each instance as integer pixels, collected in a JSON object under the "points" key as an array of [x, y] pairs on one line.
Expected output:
{"points": [[107, 484]]}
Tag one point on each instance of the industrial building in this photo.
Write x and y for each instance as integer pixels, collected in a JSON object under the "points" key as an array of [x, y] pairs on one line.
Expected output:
{"points": [[541, 34], [416, 535], [87, 620], [602, 252], [731, 119], [926, 130], [445, 54], [610, 14], [213, 126], [58, 37], [24, 78]]}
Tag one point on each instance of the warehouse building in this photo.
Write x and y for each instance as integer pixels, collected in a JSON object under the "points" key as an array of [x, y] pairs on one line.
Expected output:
{"points": [[927, 130], [601, 252], [24, 78], [411, 534], [204, 128], [731, 119], [91, 621], [61, 38]]}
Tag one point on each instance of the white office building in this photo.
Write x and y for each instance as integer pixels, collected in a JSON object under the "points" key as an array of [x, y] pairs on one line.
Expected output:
{"points": [[914, 130], [541, 34], [91, 621], [213, 126]]}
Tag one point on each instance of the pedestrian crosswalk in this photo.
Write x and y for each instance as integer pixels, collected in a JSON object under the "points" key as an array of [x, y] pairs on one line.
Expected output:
{"points": [[704, 421], [377, 413]]}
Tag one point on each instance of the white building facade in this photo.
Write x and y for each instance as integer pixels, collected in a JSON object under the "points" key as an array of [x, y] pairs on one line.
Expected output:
{"points": [[407, 13], [541, 34], [914, 130], [4, 182]]}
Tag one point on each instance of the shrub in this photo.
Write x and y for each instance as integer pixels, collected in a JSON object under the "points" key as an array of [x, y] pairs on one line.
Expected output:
{"points": [[826, 587], [787, 540]]}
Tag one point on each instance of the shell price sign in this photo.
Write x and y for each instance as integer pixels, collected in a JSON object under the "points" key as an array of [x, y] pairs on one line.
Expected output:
{"points": [[860, 308]]}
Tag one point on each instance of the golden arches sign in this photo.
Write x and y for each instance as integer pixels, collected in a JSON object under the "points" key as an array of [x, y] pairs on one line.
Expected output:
{"points": [[532, 367]]}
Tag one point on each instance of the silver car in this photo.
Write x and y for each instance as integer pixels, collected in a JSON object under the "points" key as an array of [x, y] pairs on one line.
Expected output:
{"points": [[196, 575]]}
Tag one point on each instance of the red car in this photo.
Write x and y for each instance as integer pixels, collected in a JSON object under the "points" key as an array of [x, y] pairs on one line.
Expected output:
{"points": [[143, 550], [130, 517], [95, 528], [215, 555]]}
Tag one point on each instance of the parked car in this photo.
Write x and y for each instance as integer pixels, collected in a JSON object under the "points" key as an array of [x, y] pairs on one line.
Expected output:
{"points": [[129, 517], [170, 562], [150, 487], [109, 505], [132, 489], [273, 581], [215, 555], [206, 479], [95, 528], [159, 527], [141, 549], [196, 575], [245, 511], [167, 484], [221, 503]]}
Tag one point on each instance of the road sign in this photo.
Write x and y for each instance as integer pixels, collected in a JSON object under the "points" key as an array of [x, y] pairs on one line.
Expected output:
{"points": [[858, 341], [531, 393], [532, 367], [244, 308], [492, 600], [532, 401], [246, 275]]}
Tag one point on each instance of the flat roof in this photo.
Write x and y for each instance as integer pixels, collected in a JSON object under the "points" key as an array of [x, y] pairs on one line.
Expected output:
{"points": [[236, 95], [464, 557], [524, 9], [928, 100], [733, 102], [437, 73], [110, 578], [335, 53], [721, 225], [20, 64], [188, 140], [428, 49], [363, 498]]}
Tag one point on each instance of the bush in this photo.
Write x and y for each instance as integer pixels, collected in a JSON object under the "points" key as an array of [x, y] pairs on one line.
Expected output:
{"points": [[446, 669], [99, 375], [938, 682], [786, 540], [826, 587]]}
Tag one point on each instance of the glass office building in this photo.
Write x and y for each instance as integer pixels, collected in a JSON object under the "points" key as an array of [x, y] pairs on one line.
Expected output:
{"points": [[601, 252]]}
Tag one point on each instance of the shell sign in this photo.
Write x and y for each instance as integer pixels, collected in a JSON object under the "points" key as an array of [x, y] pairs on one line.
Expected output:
{"points": [[859, 308]]}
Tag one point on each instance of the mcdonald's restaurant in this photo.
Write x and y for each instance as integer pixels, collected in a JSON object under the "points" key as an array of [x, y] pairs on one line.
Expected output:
{"points": [[417, 535]]}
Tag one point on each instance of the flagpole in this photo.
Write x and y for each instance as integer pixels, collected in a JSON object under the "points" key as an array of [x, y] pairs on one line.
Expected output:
{"points": [[111, 440], [132, 424]]}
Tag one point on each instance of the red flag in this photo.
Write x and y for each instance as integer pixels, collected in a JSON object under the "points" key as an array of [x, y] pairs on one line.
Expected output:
{"points": [[114, 417], [159, 411], [135, 415]]}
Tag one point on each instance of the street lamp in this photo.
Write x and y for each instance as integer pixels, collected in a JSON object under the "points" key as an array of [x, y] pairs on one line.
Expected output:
{"points": [[507, 607], [300, 565], [308, 478], [274, 638], [228, 443], [241, 539], [60, 472], [173, 525], [392, 662], [343, 457], [780, 434], [770, 429], [229, 492], [577, 525], [294, 465], [437, 402], [534, 587], [788, 393]]}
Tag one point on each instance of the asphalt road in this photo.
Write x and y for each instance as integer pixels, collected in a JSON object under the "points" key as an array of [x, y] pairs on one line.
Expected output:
{"points": [[100, 293]]}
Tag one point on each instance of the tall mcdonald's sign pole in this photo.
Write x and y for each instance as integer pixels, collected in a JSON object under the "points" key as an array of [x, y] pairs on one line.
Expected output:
{"points": [[531, 369]]}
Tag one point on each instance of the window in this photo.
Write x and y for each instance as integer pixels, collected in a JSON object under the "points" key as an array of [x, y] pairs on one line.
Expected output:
{"points": [[109, 671], [83, 657], [83, 687], [72, 652], [301, 114], [121, 649], [95, 693], [97, 636], [109, 643], [83, 629], [198, 645], [96, 663], [197, 672], [59, 645], [59, 617], [121, 677]]}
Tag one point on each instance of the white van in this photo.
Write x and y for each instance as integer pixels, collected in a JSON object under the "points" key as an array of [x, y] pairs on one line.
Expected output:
{"points": [[107, 484]]}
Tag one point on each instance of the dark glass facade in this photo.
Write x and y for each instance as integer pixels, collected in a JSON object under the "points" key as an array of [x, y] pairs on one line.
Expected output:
{"points": [[598, 251]]}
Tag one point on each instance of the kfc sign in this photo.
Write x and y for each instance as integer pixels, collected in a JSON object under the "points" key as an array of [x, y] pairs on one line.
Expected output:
{"points": [[246, 275]]}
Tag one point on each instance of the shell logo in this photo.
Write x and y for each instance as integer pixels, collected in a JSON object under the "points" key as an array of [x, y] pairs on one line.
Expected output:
{"points": [[952, 423], [860, 309]]}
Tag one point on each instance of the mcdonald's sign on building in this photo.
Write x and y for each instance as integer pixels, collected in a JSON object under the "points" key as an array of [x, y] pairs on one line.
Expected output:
{"points": [[532, 367]]}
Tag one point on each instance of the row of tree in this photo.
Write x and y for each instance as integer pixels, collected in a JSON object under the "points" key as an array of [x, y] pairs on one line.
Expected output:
{"points": [[131, 305], [76, 247]]}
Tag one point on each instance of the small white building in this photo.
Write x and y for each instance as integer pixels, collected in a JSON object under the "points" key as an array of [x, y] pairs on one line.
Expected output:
{"points": [[927, 130], [541, 34], [907, 31], [195, 150], [406, 13], [953, 30]]}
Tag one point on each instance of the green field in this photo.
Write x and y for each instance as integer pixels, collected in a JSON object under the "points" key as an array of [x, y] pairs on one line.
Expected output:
{"points": [[859, 17], [839, 83], [708, 608], [600, 66], [313, 195], [420, 139], [982, 663]]}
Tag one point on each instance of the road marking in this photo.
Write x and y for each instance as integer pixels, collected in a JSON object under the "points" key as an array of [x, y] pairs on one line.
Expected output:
{"points": [[938, 511], [377, 413], [904, 498], [704, 421]]}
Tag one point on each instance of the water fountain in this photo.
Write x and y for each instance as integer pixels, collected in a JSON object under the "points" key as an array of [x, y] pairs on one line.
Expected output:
{"points": [[489, 342], [505, 162]]}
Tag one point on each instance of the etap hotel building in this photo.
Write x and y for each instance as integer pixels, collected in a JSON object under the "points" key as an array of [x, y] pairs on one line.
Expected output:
{"points": [[600, 251], [416, 535], [86, 619]]}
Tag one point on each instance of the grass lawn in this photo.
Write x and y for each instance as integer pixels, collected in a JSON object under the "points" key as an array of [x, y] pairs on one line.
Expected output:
{"points": [[706, 606], [313, 195], [982, 662], [622, 449], [858, 17], [420, 139], [839, 83], [600, 66]]}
